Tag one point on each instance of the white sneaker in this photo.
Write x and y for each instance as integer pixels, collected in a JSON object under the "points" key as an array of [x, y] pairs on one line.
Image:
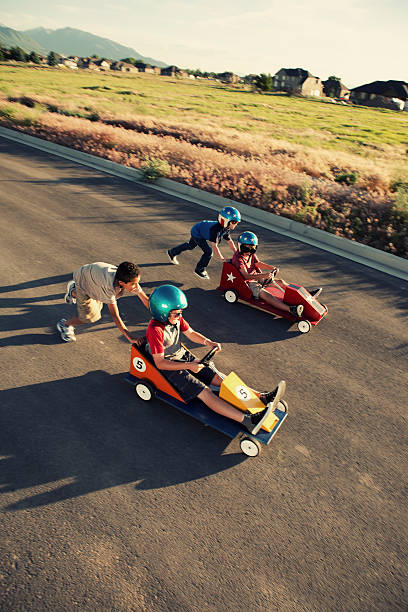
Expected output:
{"points": [[68, 297], [204, 274], [173, 258], [66, 331]]}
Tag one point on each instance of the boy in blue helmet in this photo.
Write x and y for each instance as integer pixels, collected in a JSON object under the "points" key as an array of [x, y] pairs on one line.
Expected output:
{"points": [[245, 260], [207, 235], [183, 370]]}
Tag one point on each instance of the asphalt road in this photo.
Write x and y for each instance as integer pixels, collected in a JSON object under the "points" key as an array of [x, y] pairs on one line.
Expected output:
{"points": [[109, 503]]}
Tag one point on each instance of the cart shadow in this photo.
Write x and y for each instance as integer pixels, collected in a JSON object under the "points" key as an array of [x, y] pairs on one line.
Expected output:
{"points": [[235, 323], [79, 435]]}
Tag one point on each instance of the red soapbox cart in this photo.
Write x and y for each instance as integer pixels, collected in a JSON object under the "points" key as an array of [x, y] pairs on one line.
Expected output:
{"points": [[235, 289], [149, 382]]}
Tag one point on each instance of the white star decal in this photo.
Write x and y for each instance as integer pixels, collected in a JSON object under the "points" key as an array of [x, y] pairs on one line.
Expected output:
{"points": [[231, 277]]}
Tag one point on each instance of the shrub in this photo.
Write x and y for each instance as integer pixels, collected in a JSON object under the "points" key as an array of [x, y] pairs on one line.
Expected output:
{"points": [[396, 185], [347, 178], [52, 59], [401, 202], [17, 54], [34, 57], [263, 82], [154, 168]]}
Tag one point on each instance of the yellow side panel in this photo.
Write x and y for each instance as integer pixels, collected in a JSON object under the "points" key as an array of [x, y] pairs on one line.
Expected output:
{"points": [[234, 391]]}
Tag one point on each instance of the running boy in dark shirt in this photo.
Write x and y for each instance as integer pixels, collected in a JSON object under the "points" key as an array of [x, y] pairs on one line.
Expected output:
{"points": [[207, 235]]}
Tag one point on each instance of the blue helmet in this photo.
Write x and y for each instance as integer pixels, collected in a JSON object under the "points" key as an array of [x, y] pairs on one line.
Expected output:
{"points": [[248, 238], [228, 214], [164, 299]]}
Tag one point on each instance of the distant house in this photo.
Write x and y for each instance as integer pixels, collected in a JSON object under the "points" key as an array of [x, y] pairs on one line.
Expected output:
{"points": [[297, 81], [124, 67], [332, 88], [92, 63], [174, 71], [87, 63], [69, 62], [147, 68], [228, 77], [384, 94], [249, 79], [103, 64]]}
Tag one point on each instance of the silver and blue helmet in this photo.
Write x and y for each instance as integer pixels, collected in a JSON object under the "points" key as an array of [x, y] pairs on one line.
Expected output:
{"points": [[228, 214], [248, 238], [164, 299]]}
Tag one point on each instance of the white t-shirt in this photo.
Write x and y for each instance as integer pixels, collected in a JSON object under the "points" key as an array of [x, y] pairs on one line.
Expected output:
{"points": [[96, 280]]}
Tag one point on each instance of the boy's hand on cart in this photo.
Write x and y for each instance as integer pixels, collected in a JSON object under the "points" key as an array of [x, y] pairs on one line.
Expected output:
{"points": [[195, 366], [212, 344], [134, 339]]}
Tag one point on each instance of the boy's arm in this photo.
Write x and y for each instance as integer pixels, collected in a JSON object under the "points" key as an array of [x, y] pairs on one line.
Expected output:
{"points": [[113, 309], [141, 295], [162, 363], [231, 245], [198, 338], [217, 251], [265, 266], [258, 276]]}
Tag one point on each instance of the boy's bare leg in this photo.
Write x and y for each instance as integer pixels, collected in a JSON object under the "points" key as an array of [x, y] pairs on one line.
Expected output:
{"points": [[251, 422], [75, 321], [219, 406], [273, 301], [217, 380]]}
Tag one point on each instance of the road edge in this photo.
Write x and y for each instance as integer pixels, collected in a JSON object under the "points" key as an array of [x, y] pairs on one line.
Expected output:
{"points": [[359, 253]]}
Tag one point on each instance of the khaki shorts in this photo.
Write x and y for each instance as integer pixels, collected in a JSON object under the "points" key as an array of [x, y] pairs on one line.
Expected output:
{"points": [[89, 310]]}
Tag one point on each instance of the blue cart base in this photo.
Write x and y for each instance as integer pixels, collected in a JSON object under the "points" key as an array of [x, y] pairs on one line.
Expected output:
{"points": [[198, 410]]}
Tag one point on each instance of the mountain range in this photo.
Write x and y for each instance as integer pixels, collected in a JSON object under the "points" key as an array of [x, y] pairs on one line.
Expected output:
{"points": [[70, 41]]}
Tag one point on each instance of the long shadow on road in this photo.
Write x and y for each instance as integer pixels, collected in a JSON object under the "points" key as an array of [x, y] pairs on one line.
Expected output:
{"points": [[67, 438]]}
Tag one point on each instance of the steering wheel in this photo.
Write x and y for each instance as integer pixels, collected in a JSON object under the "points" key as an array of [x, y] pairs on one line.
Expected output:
{"points": [[269, 280], [207, 358]]}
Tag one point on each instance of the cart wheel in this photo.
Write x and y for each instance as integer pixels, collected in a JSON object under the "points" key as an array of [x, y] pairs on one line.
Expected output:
{"points": [[231, 296], [250, 447], [304, 327], [144, 391]]}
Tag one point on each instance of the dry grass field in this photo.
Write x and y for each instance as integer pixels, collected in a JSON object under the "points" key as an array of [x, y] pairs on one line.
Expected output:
{"points": [[343, 169]]}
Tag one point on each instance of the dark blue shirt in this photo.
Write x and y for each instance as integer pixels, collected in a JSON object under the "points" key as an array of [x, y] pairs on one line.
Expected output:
{"points": [[210, 230]]}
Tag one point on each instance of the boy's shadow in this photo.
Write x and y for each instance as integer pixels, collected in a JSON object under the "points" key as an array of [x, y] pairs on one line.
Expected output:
{"points": [[94, 432]]}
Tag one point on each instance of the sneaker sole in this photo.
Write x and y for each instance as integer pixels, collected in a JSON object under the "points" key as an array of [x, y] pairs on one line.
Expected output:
{"points": [[258, 426], [67, 298], [64, 336], [279, 394], [173, 260], [202, 277], [272, 405]]}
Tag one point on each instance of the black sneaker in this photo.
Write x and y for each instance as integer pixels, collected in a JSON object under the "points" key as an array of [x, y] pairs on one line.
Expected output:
{"points": [[297, 311], [254, 422], [173, 258], [202, 274], [270, 396], [316, 292]]}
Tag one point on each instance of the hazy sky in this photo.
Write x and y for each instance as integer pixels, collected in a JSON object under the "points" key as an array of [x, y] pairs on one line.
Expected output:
{"points": [[357, 40]]}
